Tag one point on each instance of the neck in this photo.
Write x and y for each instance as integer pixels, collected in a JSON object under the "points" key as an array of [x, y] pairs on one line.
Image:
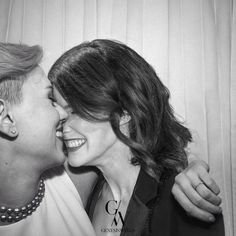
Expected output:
{"points": [[120, 174], [20, 184]]}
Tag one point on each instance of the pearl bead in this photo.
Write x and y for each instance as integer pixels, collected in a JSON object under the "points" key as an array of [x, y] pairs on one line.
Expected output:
{"points": [[23, 209], [3, 218], [15, 214], [9, 219], [3, 209], [17, 218], [16, 210], [9, 210]]}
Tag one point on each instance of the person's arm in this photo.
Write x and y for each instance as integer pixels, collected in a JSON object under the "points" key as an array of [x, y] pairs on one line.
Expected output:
{"points": [[197, 192]]}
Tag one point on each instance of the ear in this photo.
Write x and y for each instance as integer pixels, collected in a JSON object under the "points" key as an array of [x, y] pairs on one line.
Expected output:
{"points": [[7, 122], [125, 118]]}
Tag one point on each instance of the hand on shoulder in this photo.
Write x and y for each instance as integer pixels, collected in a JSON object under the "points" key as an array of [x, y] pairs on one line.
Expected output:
{"points": [[197, 192]]}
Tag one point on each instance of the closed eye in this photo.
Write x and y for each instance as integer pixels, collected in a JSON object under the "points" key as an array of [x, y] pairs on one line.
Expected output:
{"points": [[69, 110], [53, 100]]}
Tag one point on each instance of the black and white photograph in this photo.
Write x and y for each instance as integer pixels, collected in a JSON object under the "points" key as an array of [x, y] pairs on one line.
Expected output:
{"points": [[117, 117]]}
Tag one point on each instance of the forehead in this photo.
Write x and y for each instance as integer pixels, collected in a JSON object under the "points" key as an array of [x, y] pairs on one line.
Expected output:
{"points": [[38, 78], [36, 84], [36, 81]]}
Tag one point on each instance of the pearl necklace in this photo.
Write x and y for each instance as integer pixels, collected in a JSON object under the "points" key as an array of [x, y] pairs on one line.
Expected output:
{"points": [[9, 214]]}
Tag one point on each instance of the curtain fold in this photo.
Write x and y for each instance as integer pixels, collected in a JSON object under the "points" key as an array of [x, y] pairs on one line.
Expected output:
{"points": [[233, 114], [190, 43]]}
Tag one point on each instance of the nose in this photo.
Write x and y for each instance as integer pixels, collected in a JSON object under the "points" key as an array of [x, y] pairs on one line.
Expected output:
{"points": [[62, 112]]}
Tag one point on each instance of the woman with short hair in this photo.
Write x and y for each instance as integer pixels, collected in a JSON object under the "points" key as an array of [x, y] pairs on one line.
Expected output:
{"points": [[32, 202]]}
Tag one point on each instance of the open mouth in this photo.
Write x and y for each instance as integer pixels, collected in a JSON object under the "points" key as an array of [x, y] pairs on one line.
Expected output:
{"points": [[74, 144]]}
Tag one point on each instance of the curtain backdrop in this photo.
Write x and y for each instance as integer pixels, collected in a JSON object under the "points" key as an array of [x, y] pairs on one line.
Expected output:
{"points": [[190, 43]]}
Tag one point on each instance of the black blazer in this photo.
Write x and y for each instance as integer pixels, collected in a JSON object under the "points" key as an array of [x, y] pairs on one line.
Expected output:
{"points": [[153, 211]]}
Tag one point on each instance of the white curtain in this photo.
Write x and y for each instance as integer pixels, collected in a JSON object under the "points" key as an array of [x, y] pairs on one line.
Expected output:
{"points": [[190, 43]]}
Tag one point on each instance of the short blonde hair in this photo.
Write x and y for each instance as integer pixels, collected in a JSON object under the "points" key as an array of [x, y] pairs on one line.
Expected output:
{"points": [[16, 61]]}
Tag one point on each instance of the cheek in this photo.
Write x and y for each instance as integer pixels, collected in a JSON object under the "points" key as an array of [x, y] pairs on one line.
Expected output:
{"points": [[101, 139], [52, 115], [46, 123], [37, 126]]}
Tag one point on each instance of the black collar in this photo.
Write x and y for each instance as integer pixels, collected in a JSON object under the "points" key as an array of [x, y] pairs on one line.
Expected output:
{"points": [[146, 195], [146, 187], [146, 192]]}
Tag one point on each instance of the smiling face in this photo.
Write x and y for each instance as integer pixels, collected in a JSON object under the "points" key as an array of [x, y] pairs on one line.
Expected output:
{"points": [[87, 142], [38, 121]]}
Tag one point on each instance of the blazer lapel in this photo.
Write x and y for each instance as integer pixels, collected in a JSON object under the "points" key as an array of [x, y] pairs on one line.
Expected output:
{"points": [[136, 218]]}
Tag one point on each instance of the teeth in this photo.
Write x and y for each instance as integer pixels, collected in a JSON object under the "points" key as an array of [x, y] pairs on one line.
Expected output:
{"points": [[59, 134], [75, 143]]}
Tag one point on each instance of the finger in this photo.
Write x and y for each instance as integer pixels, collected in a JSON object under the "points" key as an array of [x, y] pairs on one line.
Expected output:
{"points": [[205, 192], [209, 182], [188, 206], [197, 199], [208, 195], [204, 165], [183, 180]]}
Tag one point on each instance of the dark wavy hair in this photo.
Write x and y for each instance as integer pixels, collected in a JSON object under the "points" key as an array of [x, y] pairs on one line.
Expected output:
{"points": [[101, 79]]}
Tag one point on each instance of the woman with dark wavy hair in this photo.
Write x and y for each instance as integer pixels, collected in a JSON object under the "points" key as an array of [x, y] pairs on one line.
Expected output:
{"points": [[121, 122]]}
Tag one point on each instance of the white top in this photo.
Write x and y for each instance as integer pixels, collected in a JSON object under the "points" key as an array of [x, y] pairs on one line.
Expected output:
{"points": [[61, 212]]}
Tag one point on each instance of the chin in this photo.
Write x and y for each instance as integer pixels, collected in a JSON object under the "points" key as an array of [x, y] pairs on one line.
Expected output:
{"points": [[75, 161]]}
